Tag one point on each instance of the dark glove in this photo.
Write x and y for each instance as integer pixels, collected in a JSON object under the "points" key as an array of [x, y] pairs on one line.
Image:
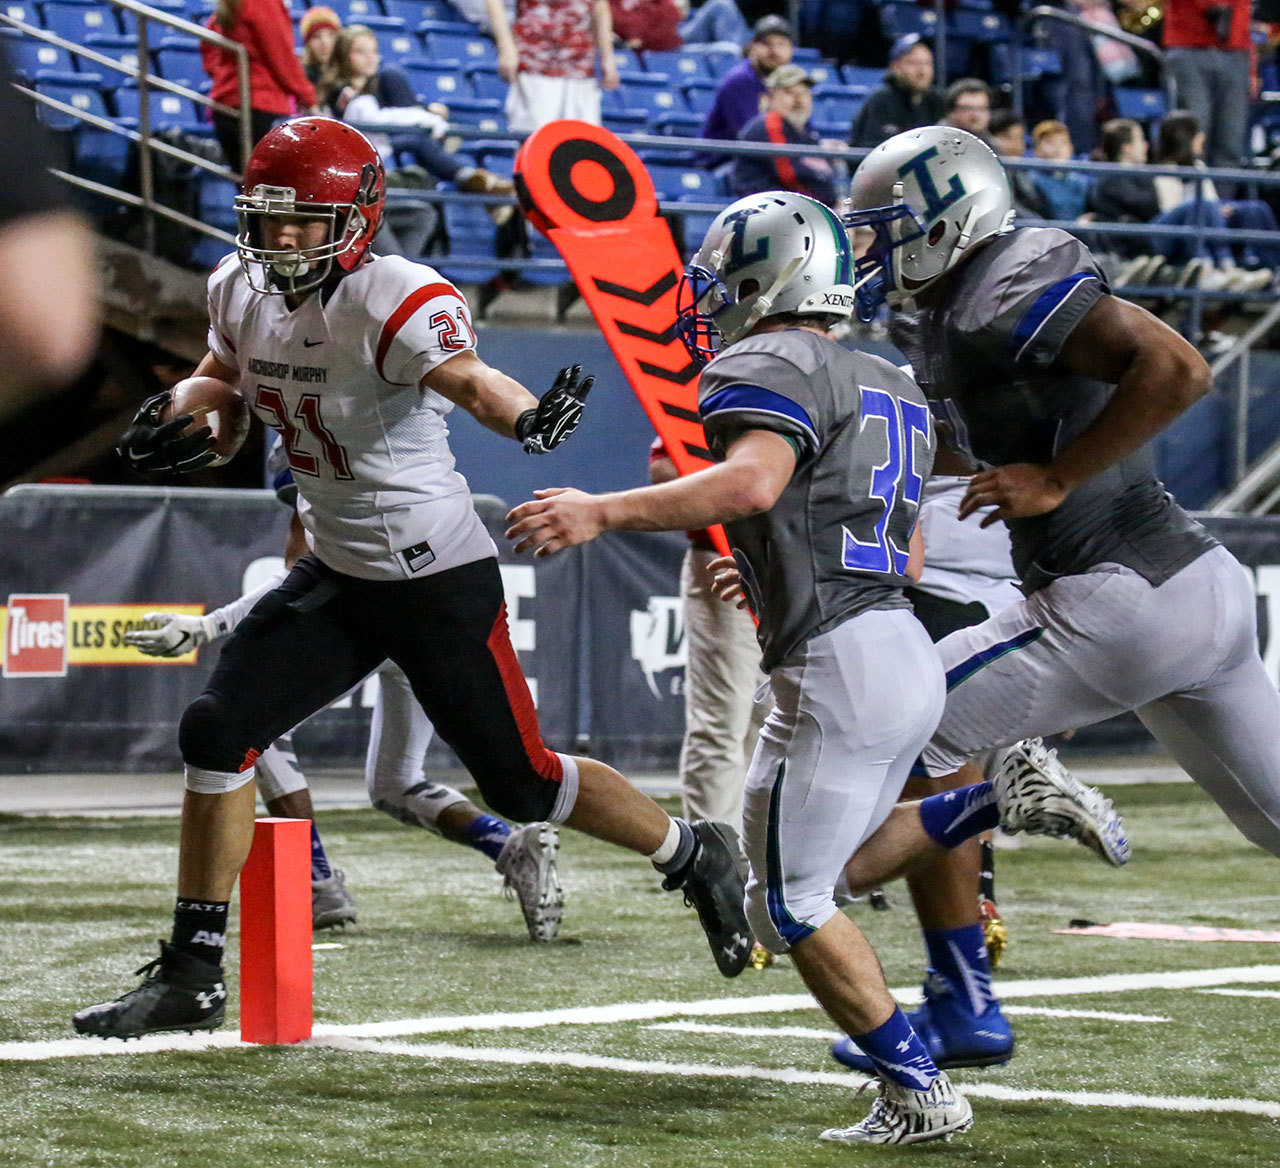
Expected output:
{"points": [[558, 413], [149, 446]]}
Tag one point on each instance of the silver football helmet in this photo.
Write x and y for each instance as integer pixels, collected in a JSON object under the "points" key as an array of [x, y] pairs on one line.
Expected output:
{"points": [[763, 255], [930, 195]]}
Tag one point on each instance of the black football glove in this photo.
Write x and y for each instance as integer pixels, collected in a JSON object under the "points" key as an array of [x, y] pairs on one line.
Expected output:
{"points": [[149, 447], [558, 412]]}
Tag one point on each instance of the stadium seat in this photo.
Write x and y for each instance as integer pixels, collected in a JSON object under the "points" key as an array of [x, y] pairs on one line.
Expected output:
{"points": [[1036, 63], [897, 19], [435, 81], [357, 11], [155, 32], [837, 105], [395, 42], [178, 59], [806, 55], [83, 93], [119, 48], [30, 57], [628, 60], [486, 84], [100, 155], [77, 19], [426, 10], [824, 72], [475, 111], [215, 201], [679, 66], [168, 110], [1142, 105], [679, 124], [686, 184], [467, 48], [978, 27], [654, 95], [861, 75], [700, 96], [23, 10], [624, 121], [718, 60]]}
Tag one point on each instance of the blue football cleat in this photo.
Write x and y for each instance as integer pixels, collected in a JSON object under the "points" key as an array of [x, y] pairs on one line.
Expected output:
{"points": [[953, 1036]]}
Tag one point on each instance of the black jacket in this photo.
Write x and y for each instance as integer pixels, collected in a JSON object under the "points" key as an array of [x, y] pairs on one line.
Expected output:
{"points": [[1125, 198], [892, 108]]}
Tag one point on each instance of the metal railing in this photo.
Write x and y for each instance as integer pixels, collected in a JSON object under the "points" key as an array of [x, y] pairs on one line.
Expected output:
{"points": [[1043, 13], [142, 137]]}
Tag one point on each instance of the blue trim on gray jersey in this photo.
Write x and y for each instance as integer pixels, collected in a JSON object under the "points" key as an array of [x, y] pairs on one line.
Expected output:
{"points": [[756, 399], [1046, 304], [789, 929], [968, 667]]}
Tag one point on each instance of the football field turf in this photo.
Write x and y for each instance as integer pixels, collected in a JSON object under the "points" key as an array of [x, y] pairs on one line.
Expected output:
{"points": [[444, 1037]]}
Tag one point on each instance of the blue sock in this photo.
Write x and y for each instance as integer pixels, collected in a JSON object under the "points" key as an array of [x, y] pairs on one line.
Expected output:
{"points": [[319, 861], [955, 816], [487, 834], [960, 956], [898, 1053]]}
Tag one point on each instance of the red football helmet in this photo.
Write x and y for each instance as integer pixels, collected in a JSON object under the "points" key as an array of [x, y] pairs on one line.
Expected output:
{"points": [[309, 168]]}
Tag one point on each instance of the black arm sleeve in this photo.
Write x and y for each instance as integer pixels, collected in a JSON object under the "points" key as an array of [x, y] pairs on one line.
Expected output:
{"points": [[25, 143]]}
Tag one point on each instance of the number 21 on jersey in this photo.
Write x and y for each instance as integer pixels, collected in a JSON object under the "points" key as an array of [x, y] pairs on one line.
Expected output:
{"points": [[899, 421]]}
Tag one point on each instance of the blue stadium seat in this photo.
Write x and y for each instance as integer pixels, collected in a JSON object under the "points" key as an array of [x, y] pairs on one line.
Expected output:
{"points": [[77, 19], [435, 81], [426, 10], [837, 105], [486, 84], [824, 72], [84, 93], [679, 124], [978, 27], [685, 184], [168, 110], [654, 96], [700, 96], [1036, 63], [897, 19], [23, 10], [473, 111], [471, 236], [806, 55], [119, 48], [718, 60], [628, 60], [1142, 105], [467, 48], [215, 201], [624, 121], [679, 66], [395, 42], [30, 56], [449, 27], [156, 32], [861, 75], [178, 59], [356, 11], [100, 155]]}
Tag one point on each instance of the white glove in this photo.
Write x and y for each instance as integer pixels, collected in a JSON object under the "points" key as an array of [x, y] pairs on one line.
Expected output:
{"points": [[178, 635]]}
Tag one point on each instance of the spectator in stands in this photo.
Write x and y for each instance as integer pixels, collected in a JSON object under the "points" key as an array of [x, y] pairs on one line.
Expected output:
{"points": [[1125, 198], [665, 25], [1116, 59], [785, 121], [742, 90], [1062, 192], [548, 54], [1181, 142], [1207, 68], [1008, 134], [277, 85], [967, 106], [382, 99], [319, 29], [907, 97], [715, 22]]}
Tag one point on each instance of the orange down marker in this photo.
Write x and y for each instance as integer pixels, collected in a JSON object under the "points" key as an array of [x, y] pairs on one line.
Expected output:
{"points": [[275, 933]]}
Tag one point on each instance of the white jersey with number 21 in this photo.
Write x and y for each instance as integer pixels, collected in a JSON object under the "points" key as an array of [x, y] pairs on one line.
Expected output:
{"points": [[338, 377]]}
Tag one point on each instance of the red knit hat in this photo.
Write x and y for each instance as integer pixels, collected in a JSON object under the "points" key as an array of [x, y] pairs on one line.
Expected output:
{"points": [[314, 19]]}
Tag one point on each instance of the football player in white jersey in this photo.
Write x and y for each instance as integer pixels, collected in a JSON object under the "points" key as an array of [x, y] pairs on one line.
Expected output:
{"points": [[823, 455], [356, 360]]}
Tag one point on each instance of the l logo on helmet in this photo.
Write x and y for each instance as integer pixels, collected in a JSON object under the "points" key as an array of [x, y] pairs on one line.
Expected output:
{"points": [[935, 201], [737, 247]]}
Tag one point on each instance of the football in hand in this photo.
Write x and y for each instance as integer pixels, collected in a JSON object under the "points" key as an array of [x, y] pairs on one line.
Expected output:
{"points": [[215, 404]]}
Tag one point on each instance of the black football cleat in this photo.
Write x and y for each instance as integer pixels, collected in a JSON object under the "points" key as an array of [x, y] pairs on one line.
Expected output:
{"points": [[713, 885], [179, 992]]}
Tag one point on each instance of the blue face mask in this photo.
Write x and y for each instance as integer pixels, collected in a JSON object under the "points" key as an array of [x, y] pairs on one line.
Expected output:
{"points": [[873, 273], [697, 330]]}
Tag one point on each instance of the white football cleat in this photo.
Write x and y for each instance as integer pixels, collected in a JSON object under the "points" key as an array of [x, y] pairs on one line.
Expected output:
{"points": [[528, 866], [903, 1116], [1037, 794]]}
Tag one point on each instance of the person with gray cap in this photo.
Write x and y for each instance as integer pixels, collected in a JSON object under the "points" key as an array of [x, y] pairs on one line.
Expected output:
{"points": [[784, 121], [905, 100], [742, 88]]}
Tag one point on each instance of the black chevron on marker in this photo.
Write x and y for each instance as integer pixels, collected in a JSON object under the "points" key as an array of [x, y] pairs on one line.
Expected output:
{"points": [[699, 452], [632, 330], [681, 413], [649, 295], [675, 376]]}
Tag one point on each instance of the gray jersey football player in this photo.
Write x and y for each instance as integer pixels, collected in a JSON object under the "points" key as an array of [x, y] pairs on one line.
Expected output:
{"points": [[823, 455], [1052, 387]]}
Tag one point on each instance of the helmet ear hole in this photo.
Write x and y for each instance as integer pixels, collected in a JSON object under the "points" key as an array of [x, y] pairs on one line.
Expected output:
{"points": [[748, 287], [936, 232]]}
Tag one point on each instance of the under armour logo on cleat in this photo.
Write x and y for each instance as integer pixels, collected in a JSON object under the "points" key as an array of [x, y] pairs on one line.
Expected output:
{"points": [[206, 998]]}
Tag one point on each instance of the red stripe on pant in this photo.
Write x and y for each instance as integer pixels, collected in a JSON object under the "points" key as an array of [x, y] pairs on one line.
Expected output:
{"points": [[545, 762]]}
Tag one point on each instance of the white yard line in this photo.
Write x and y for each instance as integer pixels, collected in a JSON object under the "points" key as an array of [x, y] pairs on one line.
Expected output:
{"points": [[636, 1012], [1243, 993], [524, 1058]]}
